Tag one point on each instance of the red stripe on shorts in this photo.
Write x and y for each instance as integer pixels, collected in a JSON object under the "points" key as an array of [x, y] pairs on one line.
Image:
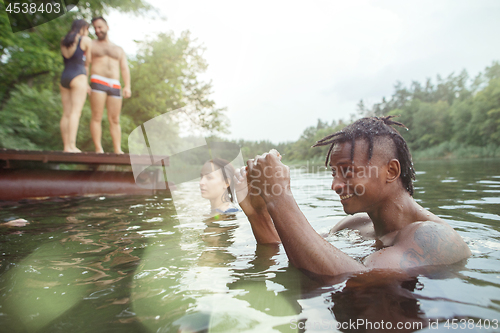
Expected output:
{"points": [[116, 86]]}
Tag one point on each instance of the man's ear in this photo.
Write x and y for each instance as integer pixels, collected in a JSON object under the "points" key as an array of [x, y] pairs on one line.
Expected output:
{"points": [[393, 170]]}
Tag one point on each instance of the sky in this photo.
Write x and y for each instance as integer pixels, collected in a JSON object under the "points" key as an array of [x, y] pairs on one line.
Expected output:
{"points": [[278, 66]]}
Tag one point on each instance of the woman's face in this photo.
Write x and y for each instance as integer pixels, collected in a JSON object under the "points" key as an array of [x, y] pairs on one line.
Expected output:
{"points": [[212, 184], [84, 31]]}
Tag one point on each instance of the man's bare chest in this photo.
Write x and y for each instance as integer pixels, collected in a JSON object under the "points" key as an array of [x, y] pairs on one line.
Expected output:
{"points": [[109, 50]]}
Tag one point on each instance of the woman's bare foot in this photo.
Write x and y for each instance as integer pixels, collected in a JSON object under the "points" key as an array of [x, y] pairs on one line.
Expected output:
{"points": [[119, 152], [72, 150], [100, 151]]}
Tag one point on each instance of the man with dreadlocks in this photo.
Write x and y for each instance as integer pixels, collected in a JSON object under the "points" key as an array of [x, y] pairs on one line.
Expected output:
{"points": [[372, 173]]}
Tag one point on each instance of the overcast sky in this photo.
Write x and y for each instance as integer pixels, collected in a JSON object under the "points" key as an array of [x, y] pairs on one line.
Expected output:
{"points": [[278, 66]]}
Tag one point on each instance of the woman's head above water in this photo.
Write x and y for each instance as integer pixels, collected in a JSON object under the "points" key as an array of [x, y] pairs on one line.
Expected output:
{"points": [[216, 183]]}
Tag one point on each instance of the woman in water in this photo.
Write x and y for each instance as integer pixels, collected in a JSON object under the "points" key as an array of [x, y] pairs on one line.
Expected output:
{"points": [[76, 52], [217, 184]]}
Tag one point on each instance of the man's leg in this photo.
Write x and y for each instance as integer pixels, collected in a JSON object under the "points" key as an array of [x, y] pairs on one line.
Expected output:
{"points": [[114, 106], [97, 101]]}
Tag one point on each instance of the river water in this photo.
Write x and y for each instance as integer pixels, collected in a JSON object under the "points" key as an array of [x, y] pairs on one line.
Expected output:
{"points": [[158, 264]]}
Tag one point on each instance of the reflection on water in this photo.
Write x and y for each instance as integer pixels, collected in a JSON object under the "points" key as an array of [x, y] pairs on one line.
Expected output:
{"points": [[139, 264]]}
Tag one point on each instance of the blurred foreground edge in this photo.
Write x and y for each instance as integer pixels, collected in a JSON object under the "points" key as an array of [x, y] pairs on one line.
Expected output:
{"points": [[33, 179]]}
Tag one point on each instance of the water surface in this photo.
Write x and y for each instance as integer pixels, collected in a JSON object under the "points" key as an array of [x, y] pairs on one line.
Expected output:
{"points": [[149, 264]]}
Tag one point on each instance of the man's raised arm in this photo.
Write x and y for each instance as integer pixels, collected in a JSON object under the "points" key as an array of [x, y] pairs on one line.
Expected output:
{"points": [[255, 209], [305, 248]]}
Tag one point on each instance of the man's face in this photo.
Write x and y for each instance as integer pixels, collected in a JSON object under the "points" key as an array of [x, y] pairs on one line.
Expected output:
{"points": [[101, 29], [357, 181]]}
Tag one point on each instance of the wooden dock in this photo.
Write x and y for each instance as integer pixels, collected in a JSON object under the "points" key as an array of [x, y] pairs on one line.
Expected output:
{"points": [[88, 158], [20, 182]]}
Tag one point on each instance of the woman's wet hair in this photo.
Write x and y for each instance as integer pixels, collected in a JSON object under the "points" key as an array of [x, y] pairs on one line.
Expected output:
{"points": [[77, 25], [371, 128], [228, 175]]}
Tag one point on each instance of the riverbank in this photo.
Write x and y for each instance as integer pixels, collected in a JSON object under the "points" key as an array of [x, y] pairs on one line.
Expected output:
{"points": [[444, 151], [455, 150]]}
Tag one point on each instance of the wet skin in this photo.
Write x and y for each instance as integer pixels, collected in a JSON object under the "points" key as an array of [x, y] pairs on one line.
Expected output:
{"points": [[408, 236]]}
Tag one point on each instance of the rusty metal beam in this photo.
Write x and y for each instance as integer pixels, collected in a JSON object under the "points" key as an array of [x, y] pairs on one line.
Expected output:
{"points": [[79, 158], [16, 184]]}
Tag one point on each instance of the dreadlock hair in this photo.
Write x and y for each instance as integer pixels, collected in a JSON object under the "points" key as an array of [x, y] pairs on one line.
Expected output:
{"points": [[370, 128], [77, 25]]}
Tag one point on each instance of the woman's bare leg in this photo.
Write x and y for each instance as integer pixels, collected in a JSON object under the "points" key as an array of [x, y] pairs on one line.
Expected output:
{"points": [[64, 124], [78, 96]]}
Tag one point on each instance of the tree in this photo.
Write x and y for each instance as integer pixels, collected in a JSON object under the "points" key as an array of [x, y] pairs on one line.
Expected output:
{"points": [[457, 110], [33, 56], [164, 78], [301, 149], [30, 67]]}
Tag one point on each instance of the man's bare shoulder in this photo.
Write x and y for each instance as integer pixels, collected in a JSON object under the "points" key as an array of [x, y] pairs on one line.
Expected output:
{"points": [[119, 51], [115, 47], [418, 229], [358, 221], [424, 243]]}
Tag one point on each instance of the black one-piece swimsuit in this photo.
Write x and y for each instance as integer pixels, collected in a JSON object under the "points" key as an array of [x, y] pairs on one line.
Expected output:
{"points": [[73, 66]]}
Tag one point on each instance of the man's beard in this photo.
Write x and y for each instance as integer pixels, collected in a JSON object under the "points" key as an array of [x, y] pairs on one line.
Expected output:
{"points": [[102, 36]]}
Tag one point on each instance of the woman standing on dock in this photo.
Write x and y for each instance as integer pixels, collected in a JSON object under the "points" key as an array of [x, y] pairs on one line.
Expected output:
{"points": [[76, 52]]}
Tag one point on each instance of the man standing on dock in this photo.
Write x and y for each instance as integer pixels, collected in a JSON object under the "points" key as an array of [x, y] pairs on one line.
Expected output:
{"points": [[107, 61]]}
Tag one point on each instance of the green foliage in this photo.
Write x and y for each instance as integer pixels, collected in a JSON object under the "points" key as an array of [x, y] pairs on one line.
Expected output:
{"points": [[29, 119], [94, 8], [249, 149], [457, 113], [456, 117], [453, 149], [30, 68], [164, 77], [301, 149], [297, 151], [29, 57]]}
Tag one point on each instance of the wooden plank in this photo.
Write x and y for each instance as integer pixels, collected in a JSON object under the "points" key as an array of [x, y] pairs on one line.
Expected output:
{"points": [[78, 158]]}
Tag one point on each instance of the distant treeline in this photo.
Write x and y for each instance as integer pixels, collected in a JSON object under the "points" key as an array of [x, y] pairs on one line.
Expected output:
{"points": [[299, 150], [455, 117]]}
